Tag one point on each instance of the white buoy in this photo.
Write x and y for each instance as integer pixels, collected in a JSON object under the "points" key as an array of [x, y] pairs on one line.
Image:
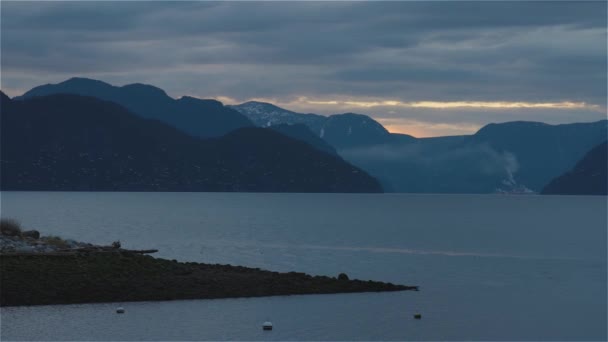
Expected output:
{"points": [[267, 325], [120, 310]]}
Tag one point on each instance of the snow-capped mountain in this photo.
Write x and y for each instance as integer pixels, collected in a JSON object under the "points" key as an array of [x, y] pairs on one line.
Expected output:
{"points": [[340, 130], [265, 115]]}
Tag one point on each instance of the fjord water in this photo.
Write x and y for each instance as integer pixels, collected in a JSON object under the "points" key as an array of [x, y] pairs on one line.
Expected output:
{"points": [[489, 267]]}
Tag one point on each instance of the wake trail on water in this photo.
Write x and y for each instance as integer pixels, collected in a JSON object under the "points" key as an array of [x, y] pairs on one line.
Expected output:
{"points": [[410, 251]]}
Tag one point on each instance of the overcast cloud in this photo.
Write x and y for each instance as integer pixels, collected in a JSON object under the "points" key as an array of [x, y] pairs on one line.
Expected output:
{"points": [[329, 57]]}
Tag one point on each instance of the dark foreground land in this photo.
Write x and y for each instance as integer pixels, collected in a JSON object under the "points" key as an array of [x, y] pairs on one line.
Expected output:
{"points": [[41, 279]]}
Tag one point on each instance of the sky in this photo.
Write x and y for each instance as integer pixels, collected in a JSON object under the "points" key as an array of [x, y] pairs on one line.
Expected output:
{"points": [[422, 68]]}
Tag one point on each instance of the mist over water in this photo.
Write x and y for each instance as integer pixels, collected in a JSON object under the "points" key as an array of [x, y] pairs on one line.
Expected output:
{"points": [[489, 267], [428, 165]]}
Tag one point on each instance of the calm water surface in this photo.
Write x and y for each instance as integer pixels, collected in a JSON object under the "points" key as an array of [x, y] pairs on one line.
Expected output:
{"points": [[489, 267]]}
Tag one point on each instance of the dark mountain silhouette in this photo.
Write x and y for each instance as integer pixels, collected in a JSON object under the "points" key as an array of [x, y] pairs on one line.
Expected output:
{"points": [[303, 133], [588, 177], [4, 99], [202, 118], [71, 142]]}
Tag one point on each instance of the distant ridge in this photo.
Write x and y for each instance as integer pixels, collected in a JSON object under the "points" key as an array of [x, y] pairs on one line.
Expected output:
{"points": [[201, 118]]}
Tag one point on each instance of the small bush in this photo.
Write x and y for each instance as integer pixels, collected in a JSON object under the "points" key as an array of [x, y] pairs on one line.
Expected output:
{"points": [[342, 276], [10, 227], [55, 241]]}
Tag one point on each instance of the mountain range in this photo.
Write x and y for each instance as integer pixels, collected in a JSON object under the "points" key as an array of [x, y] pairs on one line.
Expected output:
{"points": [[507, 157], [520, 157], [78, 143]]}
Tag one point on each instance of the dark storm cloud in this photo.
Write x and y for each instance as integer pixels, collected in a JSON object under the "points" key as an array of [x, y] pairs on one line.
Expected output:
{"points": [[405, 51]]}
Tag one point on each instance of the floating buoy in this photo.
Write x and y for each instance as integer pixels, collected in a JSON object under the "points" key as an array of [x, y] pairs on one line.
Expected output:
{"points": [[267, 325], [417, 316], [120, 310]]}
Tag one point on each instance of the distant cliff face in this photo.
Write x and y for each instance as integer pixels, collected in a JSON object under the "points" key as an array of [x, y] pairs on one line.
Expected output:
{"points": [[201, 118], [71, 142], [588, 177]]}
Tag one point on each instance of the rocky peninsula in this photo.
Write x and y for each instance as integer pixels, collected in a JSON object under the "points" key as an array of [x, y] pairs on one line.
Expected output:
{"points": [[34, 272]]}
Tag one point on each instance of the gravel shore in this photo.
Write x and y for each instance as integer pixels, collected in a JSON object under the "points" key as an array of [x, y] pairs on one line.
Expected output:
{"points": [[66, 278]]}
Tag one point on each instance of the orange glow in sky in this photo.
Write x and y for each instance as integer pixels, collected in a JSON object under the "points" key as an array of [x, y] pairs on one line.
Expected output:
{"points": [[456, 104], [420, 129]]}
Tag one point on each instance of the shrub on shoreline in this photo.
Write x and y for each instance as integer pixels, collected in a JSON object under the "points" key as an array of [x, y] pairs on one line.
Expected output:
{"points": [[10, 227]]}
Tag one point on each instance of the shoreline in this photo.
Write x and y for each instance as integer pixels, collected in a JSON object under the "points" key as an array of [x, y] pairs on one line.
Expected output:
{"points": [[122, 276]]}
